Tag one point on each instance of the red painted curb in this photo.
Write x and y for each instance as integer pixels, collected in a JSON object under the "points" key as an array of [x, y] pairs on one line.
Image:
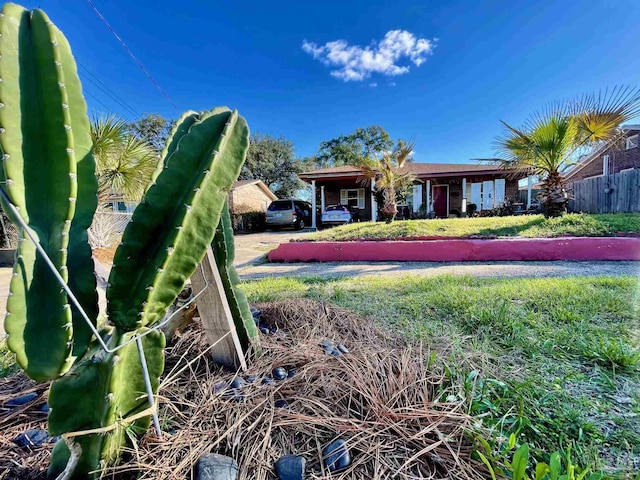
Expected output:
{"points": [[540, 249]]}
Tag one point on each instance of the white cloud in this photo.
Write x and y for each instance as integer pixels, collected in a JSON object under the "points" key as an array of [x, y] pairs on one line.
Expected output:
{"points": [[373, 85], [392, 84], [356, 63]]}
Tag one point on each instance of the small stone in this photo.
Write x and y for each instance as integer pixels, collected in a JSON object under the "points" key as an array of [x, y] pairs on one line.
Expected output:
{"points": [[45, 408], [251, 379], [31, 438], [343, 349], [291, 372], [291, 467], [336, 455], [265, 331], [255, 312], [281, 404], [326, 344], [273, 330], [335, 352], [21, 400], [220, 387], [238, 382], [268, 381], [279, 373], [216, 467]]}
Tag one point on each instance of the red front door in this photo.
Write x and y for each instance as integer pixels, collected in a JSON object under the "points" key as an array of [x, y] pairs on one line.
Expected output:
{"points": [[440, 200]]}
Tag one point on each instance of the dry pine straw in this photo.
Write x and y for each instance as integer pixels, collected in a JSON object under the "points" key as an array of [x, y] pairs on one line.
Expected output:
{"points": [[380, 398]]}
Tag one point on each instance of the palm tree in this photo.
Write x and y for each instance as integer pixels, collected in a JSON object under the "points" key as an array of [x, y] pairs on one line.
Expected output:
{"points": [[124, 163], [390, 174], [550, 140]]}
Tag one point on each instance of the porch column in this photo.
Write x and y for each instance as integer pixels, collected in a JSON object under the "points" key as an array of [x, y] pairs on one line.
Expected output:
{"points": [[321, 199], [313, 203], [374, 204], [529, 185], [428, 196], [464, 194]]}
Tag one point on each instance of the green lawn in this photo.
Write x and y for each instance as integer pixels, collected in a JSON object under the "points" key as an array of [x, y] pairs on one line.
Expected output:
{"points": [[525, 226], [553, 360]]}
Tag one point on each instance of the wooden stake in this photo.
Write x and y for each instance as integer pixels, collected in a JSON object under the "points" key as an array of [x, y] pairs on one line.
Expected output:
{"points": [[216, 315]]}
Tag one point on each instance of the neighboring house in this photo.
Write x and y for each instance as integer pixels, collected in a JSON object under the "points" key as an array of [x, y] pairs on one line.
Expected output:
{"points": [[446, 189], [619, 156], [250, 196], [117, 203]]}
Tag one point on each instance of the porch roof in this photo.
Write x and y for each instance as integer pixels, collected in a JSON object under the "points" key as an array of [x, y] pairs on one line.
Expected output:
{"points": [[420, 170]]}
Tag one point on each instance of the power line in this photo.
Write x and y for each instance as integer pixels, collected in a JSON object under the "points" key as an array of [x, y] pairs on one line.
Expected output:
{"points": [[138, 62], [108, 92], [98, 100]]}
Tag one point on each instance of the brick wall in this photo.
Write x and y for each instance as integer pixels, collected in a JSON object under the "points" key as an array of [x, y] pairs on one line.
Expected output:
{"points": [[248, 199], [619, 159]]}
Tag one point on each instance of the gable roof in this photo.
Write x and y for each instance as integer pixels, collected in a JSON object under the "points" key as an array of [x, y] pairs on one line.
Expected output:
{"points": [[588, 159], [420, 170], [238, 184]]}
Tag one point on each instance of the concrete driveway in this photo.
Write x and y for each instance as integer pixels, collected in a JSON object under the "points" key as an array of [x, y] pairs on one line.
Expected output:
{"points": [[252, 248]]}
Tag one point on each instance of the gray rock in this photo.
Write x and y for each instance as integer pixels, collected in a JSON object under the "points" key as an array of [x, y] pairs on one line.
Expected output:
{"points": [[268, 381], [21, 400], [238, 382], [216, 467], [31, 438], [281, 403], [290, 467], [336, 455], [343, 349], [279, 373]]}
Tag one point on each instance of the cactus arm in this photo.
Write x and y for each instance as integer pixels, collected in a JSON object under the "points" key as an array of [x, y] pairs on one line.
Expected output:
{"points": [[39, 167], [180, 129], [82, 279], [224, 251], [112, 389], [171, 229]]}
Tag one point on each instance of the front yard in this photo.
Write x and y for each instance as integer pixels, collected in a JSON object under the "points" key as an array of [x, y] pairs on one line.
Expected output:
{"points": [[525, 226], [553, 360]]}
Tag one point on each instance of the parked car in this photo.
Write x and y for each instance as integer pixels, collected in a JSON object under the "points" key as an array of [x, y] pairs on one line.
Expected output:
{"points": [[338, 215], [289, 213]]}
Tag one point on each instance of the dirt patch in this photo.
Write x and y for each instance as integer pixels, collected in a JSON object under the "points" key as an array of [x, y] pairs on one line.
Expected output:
{"points": [[381, 398], [105, 255]]}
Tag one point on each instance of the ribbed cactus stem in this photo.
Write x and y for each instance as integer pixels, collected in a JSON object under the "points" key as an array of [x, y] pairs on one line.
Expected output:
{"points": [[45, 145]]}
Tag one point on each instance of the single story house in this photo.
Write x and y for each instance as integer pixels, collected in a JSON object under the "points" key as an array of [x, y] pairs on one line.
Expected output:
{"points": [[250, 196], [446, 189], [614, 157]]}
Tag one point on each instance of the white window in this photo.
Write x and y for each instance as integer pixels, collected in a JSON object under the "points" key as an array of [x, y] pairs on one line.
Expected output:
{"points": [[632, 142], [352, 197]]}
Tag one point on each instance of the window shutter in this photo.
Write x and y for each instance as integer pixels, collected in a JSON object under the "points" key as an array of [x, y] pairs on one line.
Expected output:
{"points": [[361, 198], [343, 197]]}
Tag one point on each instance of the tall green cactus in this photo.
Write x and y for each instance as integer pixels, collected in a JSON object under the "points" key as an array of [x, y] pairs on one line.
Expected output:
{"points": [[50, 178], [46, 151]]}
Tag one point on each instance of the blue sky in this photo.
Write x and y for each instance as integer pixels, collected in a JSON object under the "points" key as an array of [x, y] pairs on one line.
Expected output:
{"points": [[480, 61]]}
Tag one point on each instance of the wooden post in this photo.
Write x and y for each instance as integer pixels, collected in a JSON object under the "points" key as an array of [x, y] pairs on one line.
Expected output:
{"points": [[216, 315]]}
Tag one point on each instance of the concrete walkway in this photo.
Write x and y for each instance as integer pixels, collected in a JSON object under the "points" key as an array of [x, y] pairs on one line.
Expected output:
{"points": [[482, 270]]}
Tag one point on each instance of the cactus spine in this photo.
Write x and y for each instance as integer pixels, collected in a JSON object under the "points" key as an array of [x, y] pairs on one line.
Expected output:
{"points": [[50, 177]]}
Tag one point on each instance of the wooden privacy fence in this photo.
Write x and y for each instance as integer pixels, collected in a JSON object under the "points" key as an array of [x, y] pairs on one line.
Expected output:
{"points": [[616, 193]]}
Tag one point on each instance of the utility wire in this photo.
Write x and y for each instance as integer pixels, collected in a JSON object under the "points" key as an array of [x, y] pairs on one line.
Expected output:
{"points": [[108, 92], [138, 62], [98, 100]]}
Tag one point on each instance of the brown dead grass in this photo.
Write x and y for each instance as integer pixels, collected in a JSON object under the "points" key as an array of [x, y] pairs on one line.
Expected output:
{"points": [[380, 398]]}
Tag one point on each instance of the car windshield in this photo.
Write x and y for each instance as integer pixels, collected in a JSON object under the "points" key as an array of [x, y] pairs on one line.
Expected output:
{"points": [[280, 205]]}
